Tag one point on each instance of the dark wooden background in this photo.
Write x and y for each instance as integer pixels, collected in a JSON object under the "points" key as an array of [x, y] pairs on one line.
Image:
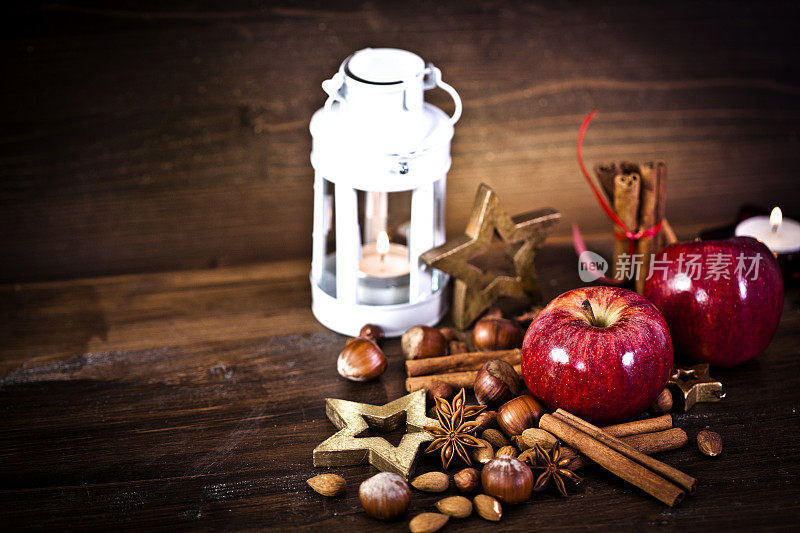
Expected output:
{"points": [[150, 135]]}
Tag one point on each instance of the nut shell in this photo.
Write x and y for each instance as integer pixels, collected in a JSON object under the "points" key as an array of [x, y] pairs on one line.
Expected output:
{"points": [[507, 479], [495, 438], [663, 403], [488, 508], [496, 333], [384, 496], [431, 482], [328, 484], [440, 389], [519, 414], [709, 443], [361, 360], [482, 454], [372, 332], [485, 420], [467, 480], [496, 383], [420, 342], [427, 522], [455, 506]]}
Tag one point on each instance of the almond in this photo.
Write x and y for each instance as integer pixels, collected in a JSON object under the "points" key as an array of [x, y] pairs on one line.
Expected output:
{"points": [[427, 522], [328, 484], [533, 436], [482, 454], [488, 508], [495, 438], [709, 442], [455, 506], [506, 450], [431, 482]]}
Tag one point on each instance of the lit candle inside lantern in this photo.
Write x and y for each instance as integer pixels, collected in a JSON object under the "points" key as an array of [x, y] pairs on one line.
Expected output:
{"points": [[383, 272]]}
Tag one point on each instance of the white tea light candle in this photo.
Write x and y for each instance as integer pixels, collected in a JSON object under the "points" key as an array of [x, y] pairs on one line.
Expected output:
{"points": [[781, 235]]}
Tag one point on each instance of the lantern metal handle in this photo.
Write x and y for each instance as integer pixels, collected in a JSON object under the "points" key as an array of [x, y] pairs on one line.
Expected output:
{"points": [[436, 74]]}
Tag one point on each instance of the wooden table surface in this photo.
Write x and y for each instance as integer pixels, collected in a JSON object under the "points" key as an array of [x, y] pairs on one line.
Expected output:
{"points": [[194, 399]]}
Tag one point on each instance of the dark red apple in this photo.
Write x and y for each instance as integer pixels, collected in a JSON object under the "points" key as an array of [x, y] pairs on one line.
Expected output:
{"points": [[605, 364], [719, 321]]}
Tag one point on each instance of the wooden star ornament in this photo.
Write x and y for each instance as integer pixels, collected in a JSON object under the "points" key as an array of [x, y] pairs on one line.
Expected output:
{"points": [[475, 288], [692, 385], [345, 447]]}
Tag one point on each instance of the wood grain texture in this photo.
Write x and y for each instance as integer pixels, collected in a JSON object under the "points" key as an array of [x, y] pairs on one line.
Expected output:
{"points": [[148, 137], [193, 400]]}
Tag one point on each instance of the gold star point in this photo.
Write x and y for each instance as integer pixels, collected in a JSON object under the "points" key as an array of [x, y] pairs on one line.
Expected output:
{"points": [[693, 385], [476, 289], [345, 447]]}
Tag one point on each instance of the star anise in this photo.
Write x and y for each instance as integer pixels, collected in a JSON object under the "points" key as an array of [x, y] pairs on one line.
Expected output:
{"points": [[454, 434], [555, 468]]}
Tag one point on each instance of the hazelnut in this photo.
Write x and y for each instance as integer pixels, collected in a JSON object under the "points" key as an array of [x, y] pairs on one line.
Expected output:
{"points": [[663, 403], [456, 347], [467, 480], [371, 332], [496, 383], [384, 496], [493, 312], [440, 389], [495, 333], [420, 342], [361, 360], [485, 420], [507, 479], [519, 414], [449, 334]]}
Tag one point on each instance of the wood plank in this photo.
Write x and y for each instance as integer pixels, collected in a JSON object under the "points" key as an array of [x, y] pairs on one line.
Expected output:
{"points": [[160, 138], [214, 429]]}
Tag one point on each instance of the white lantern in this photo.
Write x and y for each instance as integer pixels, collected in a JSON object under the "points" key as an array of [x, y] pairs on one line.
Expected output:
{"points": [[380, 155]]}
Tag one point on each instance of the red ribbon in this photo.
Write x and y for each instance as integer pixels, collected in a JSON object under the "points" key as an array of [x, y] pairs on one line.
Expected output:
{"points": [[626, 233]]}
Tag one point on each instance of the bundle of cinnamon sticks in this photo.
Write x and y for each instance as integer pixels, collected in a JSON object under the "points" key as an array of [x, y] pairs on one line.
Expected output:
{"points": [[637, 193], [620, 457], [456, 370]]}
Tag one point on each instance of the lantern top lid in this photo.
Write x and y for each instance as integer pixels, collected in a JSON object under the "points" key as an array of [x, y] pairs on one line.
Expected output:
{"points": [[384, 66]]}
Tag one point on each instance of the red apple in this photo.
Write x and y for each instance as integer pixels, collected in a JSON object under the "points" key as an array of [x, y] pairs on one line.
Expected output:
{"points": [[719, 321], [607, 364]]}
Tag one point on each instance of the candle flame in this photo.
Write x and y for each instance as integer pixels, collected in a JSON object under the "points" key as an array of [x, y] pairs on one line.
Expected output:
{"points": [[776, 217], [383, 243]]}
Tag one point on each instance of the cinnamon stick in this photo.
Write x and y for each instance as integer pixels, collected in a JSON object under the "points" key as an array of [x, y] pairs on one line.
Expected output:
{"points": [[648, 425], [667, 233], [674, 475], [455, 379], [626, 204], [459, 362], [648, 198], [613, 461], [647, 443], [605, 173]]}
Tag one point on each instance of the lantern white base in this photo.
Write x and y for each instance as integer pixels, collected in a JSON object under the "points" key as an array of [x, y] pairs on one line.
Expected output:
{"points": [[348, 319]]}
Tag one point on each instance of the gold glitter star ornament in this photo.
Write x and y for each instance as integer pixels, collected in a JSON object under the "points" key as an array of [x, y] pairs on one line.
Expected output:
{"points": [[692, 385], [345, 447]]}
